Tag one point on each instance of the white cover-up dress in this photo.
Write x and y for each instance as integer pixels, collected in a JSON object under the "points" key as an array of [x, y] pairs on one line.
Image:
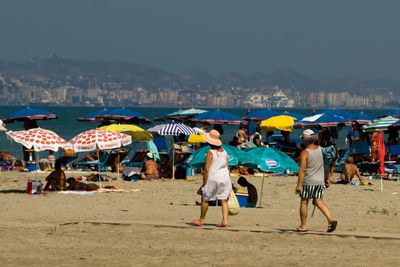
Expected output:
{"points": [[219, 183]]}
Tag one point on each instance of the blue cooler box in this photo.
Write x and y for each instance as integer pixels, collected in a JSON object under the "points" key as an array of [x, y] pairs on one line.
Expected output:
{"points": [[31, 166], [242, 199]]}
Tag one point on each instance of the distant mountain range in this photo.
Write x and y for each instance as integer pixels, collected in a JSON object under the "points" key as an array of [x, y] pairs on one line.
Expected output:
{"points": [[61, 70]]}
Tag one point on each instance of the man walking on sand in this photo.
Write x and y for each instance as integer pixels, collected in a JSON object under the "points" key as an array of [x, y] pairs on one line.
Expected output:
{"points": [[310, 182]]}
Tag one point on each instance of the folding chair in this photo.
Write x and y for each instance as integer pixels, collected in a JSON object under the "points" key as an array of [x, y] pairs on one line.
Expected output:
{"points": [[96, 164]]}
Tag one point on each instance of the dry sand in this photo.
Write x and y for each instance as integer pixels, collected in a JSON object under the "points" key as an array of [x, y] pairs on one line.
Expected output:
{"points": [[150, 228]]}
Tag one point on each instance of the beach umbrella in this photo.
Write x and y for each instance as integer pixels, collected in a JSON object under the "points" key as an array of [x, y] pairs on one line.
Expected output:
{"points": [[137, 133], [337, 113], [235, 156], [29, 113], [380, 124], [281, 122], [322, 119], [181, 114], [172, 129], [38, 139], [394, 113], [260, 115], [92, 139], [91, 116], [96, 138], [122, 114], [218, 117], [297, 116], [269, 159], [381, 156], [360, 117], [2, 126]]}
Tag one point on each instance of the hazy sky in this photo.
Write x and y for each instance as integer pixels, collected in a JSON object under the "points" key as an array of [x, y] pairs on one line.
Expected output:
{"points": [[320, 38]]}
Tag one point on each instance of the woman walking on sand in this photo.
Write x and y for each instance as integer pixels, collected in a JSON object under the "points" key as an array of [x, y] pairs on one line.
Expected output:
{"points": [[217, 183], [311, 183]]}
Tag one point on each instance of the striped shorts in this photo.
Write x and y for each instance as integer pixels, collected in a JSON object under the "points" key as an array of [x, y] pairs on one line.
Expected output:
{"points": [[312, 191]]}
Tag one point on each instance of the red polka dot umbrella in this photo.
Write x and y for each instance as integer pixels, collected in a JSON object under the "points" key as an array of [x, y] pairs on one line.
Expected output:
{"points": [[39, 139], [96, 138]]}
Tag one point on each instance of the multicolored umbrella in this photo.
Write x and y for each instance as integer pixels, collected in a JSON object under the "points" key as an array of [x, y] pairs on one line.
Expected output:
{"points": [[236, 156], [282, 122], [122, 114], [38, 139], [173, 128], [138, 134], [30, 114], [260, 115], [218, 117], [381, 124], [101, 139], [92, 115]]}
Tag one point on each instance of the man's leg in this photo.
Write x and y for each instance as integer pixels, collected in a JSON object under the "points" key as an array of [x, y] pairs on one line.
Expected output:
{"points": [[324, 209], [303, 213]]}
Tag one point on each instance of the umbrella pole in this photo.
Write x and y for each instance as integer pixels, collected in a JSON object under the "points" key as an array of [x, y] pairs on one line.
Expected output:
{"points": [[98, 160], [262, 188], [381, 183], [173, 160], [37, 164]]}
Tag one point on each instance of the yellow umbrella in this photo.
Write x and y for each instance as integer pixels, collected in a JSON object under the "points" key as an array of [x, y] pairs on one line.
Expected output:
{"points": [[282, 122], [196, 138], [138, 134]]}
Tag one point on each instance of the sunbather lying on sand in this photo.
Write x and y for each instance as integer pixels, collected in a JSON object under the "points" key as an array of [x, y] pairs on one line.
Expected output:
{"points": [[75, 185]]}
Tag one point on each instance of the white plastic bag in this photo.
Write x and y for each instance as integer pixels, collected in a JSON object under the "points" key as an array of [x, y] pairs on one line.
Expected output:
{"points": [[233, 204]]}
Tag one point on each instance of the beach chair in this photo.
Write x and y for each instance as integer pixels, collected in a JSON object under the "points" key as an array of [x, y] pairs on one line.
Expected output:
{"points": [[394, 153], [96, 164], [362, 158], [161, 145], [137, 159]]}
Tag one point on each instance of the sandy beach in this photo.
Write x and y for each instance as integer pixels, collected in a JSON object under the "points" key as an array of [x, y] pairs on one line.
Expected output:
{"points": [[150, 226]]}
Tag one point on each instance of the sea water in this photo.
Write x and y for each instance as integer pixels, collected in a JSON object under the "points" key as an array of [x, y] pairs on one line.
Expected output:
{"points": [[67, 125]]}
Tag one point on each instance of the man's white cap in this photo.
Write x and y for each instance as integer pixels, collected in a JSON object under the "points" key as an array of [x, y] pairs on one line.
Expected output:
{"points": [[307, 134], [150, 155]]}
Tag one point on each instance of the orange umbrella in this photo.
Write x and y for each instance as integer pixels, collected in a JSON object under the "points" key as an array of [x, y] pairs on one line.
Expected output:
{"points": [[381, 156]]}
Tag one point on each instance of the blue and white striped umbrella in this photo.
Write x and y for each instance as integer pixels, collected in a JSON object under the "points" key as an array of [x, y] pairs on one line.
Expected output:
{"points": [[172, 129], [381, 124]]}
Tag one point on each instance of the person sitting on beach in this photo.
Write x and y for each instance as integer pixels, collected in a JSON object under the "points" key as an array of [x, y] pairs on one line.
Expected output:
{"points": [[242, 134], [350, 171], [150, 168], [48, 163], [251, 190], [56, 179], [75, 185], [165, 168], [234, 141]]}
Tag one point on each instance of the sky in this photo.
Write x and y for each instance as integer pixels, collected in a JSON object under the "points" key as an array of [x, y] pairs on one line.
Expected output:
{"points": [[320, 38]]}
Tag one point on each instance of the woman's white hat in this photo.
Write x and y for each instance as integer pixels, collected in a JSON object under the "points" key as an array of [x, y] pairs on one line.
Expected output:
{"points": [[213, 138]]}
